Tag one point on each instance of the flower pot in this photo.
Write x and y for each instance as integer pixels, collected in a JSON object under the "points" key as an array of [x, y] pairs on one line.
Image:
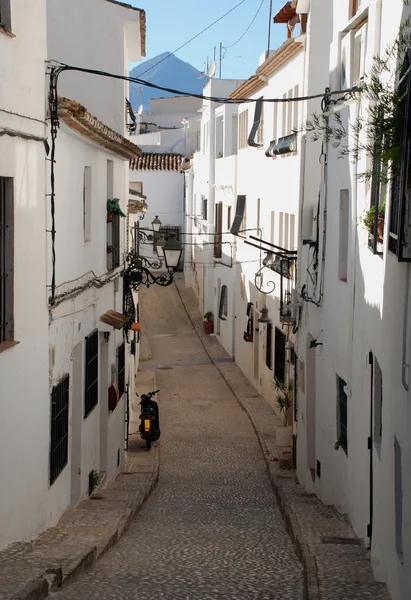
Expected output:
{"points": [[109, 217], [208, 326], [135, 327], [380, 229], [284, 436]]}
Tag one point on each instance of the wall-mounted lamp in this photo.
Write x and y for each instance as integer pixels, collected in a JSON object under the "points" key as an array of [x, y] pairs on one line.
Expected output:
{"points": [[315, 343], [264, 318], [106, 336]]}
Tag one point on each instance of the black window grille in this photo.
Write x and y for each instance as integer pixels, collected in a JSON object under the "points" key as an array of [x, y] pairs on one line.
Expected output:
{"points": [[59, 428], [91, 387], [269, 346], [6, 259], [218, 238], [204, 208], [279, 358], [342, 414], [121, 366], [223, 308]]}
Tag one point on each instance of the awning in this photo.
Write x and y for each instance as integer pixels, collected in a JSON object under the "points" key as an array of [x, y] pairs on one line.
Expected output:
{"points": [[257, 118], [284, 145], [239, 215]]}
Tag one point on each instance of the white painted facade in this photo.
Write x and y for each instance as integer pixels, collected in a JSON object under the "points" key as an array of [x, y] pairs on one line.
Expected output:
{"points": [[225, 168], [96, 441], [24, 391], [363, 308], [49, 342], [83, 34]]}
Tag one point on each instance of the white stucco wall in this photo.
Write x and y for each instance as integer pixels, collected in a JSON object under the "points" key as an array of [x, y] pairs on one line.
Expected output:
{"points": [[365, 314], [105, 37], [24, 393]]}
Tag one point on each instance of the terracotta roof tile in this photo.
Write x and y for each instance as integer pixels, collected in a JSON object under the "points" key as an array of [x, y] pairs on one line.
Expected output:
{"points": [[76, 116], [152, 161], [274, 62]]}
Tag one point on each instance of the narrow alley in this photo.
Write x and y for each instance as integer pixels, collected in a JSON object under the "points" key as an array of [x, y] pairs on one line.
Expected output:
{"points": [[212, 528]]}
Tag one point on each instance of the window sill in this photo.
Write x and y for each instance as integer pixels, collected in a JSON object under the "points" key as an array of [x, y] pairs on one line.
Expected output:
{"points": [[7, 345], [356, 20], [6, 32]]}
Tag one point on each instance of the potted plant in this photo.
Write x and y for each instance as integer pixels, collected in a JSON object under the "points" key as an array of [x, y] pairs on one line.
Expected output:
{"points": [[113, 208], [285, 402], [208, 323], [368, 220]]}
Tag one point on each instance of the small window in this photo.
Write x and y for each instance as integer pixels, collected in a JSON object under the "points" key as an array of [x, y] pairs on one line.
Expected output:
{"points": [[6, 260], [223, 310], [342, 416], [219, 137], [218, 236], [113, 242], [121, 369], [228, 218], [343, 236], [269, 346], [234, 134], [243, 129], [377, 405], [59, 428], [355, 6], [5, 14], [279, 358], [204, 208], [87, 204], [91, 374]]}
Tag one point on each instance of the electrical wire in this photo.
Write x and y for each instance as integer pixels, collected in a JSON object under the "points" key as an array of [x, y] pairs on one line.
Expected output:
{"points": [[194, 37], [16, 114], [248, 28], [219, 100]]}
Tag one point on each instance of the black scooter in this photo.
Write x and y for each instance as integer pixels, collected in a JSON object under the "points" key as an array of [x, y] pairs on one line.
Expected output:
{"points": [[150, 420]]}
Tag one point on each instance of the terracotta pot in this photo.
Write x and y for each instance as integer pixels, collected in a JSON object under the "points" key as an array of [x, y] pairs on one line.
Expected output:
{"points": [[109, 217], [380, 229], [284, 436], [208, 326], [135, 327]]}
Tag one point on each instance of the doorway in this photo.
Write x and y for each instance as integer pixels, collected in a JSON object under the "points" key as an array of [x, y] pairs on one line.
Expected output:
{"points": [[256, 339]]}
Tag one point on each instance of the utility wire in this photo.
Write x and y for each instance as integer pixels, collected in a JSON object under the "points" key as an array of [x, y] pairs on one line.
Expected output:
{"points": [[194, 37], [220, 100], [248, 28]]}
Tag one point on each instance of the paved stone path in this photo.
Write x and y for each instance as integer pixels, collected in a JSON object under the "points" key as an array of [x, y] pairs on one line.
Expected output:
{"points": [[212, 529]]}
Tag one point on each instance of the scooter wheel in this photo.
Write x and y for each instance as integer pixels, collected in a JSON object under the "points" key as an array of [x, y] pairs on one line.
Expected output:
{"points": [[148, 441]]}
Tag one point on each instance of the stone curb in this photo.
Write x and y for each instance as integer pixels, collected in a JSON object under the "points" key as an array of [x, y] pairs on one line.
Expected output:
{"points": [[312, 591], [54, 578]]}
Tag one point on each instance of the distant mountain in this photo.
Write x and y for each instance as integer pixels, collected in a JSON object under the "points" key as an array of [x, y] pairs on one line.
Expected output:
{"points": [[171, 73]]}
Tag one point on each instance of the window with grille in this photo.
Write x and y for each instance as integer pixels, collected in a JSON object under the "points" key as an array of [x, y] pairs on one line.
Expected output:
{"points": [[279, 355], [91, 371], [6, 259], [59, 428], [121, 368], [342, 414], [269, 346], [204, 208], [218, 237], [223, 310]]}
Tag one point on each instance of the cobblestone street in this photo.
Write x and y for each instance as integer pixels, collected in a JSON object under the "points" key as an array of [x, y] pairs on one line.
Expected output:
{"points": [[212, 528]]}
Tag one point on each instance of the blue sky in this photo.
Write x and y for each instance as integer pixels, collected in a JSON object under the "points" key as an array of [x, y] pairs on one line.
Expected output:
{"points": [[171, 24]]}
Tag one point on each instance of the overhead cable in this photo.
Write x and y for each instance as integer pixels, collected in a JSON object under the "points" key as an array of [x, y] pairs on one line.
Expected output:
{"points": [[248, 28]]}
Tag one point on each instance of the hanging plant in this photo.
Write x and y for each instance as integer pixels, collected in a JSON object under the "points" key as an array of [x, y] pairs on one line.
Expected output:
{"points": [[368, 218], [113, 207], [377, 135]]}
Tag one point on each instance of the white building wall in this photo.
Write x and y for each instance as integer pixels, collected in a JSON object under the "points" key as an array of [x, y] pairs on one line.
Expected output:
{"points": [[97, 35], [364, 314], [24, 394]]}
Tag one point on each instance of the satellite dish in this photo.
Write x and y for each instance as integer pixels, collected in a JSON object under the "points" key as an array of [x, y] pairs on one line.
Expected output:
{"points": [[212, 69], [140, 109]]}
